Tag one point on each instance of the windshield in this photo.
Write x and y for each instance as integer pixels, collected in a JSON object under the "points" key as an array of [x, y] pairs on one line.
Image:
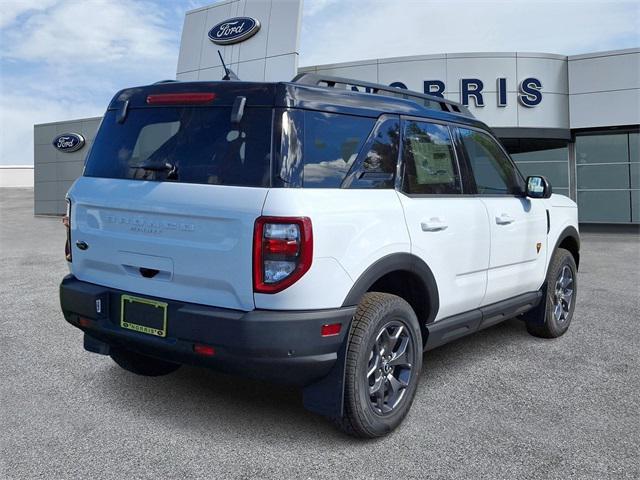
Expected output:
{"points": [[184, 144]]}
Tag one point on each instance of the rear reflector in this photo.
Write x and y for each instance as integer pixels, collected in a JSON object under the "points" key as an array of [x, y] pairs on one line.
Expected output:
{"points": [[84, 322], [204, 350], [180, 98], [330, 330]]}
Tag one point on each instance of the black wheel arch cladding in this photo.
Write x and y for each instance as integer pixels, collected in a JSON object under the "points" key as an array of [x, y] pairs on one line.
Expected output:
{"points": [[398, 262], [569, 239]]}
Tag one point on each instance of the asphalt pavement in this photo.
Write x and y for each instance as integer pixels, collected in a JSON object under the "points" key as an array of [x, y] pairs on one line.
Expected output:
{"points": [[499, 404]]}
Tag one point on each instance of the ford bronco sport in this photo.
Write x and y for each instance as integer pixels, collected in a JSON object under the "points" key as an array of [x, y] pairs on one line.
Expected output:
{"points": [[322, 232]]}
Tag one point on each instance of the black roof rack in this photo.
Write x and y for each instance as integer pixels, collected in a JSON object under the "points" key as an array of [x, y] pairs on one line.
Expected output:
{"points": [[431, 102]]}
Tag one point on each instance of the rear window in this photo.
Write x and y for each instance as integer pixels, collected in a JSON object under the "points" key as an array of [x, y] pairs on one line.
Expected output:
{"points": [[184, 144]]}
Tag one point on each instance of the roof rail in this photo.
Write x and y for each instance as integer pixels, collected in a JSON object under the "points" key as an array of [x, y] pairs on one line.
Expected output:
{"points": [[431, 102]]}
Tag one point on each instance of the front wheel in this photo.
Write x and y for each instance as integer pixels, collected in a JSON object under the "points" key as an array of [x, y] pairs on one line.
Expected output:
{"points": [[560, 301], [384, 359]]}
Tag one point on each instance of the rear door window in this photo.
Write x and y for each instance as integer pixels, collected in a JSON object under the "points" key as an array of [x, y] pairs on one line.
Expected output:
{"points": [[331, 145], [430, 165], [184, 144]]}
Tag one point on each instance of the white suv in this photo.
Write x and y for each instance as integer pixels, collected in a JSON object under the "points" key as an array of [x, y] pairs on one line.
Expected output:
{"points": [[309, 233]]}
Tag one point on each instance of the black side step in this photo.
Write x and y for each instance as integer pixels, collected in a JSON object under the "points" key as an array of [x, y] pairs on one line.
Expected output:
{"points": [[451, 328]]}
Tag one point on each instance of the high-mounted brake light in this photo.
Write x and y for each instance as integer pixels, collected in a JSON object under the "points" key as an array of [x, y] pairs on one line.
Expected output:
{"points": [[282, 252], [66, 221], [180, 98]]}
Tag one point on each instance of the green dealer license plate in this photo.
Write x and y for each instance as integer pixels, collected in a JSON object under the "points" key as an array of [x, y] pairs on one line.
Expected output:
{"points": [[143, 315]]}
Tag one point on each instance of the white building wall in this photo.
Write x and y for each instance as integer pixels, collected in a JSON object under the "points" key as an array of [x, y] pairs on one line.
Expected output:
{"points": [[55, 171], [550, 69], [270, 55], [16, 176], [605, 89]]}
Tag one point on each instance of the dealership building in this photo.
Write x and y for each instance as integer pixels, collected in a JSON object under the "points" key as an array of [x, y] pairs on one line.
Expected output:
{"points": [[574, 119]]}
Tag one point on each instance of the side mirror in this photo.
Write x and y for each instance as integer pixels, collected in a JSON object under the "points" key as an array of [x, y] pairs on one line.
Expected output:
{"points": [[538, 187]]}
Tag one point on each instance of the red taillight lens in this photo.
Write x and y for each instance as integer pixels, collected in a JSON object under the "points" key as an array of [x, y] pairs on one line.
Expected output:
{"points": [[204, 350], [180, 98], [282, 252], [330, 330], [66, 221]]}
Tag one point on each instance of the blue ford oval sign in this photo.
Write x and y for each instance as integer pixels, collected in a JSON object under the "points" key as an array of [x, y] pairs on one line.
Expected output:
{"points": [[68, 142], [234, 30]]}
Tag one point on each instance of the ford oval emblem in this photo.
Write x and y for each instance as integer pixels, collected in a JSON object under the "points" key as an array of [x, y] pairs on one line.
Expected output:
{"points": [[234, 30], [68, 142]]}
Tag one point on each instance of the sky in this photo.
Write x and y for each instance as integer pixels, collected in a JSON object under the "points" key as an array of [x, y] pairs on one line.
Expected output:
{"points": [[64, 59]]}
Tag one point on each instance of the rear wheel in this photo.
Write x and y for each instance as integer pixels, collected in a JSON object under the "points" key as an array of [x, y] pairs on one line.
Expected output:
{"points": [[560, 300], [142, 364], [384, 359]]}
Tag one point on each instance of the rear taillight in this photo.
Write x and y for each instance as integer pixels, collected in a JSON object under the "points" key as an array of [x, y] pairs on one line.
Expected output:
{"points": [[66, 221], [282, 252]]}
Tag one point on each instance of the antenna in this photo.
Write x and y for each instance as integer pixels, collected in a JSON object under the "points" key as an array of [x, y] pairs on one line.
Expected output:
{"points": [[226, 70], [228, 73]]}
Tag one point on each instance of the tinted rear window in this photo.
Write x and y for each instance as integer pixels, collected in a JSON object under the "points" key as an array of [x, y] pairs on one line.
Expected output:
{"points": [[184, 144]]}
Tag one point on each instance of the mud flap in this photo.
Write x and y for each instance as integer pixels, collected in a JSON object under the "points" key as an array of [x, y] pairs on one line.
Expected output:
{"points": [[538, 315], [326, 396]]}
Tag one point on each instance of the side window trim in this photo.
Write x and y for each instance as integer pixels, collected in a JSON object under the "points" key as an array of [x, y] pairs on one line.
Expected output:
{"points": [[400, 174], [358, 165], [461, 175], [469, 181]]}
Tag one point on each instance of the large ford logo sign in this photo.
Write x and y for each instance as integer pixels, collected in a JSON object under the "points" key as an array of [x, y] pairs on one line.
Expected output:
{"points": [[234, 30], [68, 142]]}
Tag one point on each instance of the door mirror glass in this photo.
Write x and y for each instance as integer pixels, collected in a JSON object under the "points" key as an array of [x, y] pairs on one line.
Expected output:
{"points": [[538, 187]]}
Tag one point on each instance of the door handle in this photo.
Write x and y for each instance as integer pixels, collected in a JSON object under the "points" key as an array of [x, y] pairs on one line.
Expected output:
{"points": [[504, 219], [433, 225]]}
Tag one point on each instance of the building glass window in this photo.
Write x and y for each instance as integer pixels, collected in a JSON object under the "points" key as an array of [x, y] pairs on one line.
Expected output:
{"points": [[597, 149], [607, 171], [546, 157]]}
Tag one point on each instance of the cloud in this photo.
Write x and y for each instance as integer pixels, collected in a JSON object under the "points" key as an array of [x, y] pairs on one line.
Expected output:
{"points": [[357, 30], [12, 9], [18, 113], [314, 7], [95, 32], [65, 59]]}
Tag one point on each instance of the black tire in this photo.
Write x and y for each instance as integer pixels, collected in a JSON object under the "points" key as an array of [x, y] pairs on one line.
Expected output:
{"points": [[555, 326], [142, 364], [377, 313]]}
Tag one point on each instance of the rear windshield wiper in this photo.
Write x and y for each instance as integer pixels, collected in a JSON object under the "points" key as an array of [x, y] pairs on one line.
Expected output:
{"points": [[171, 169], [155, 167]]}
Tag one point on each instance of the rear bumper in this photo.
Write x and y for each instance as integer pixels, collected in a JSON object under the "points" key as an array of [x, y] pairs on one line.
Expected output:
{"points": [[282, 346]]}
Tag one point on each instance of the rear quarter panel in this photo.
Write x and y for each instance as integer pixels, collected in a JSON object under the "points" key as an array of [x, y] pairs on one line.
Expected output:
{"points": [[352, 229]]}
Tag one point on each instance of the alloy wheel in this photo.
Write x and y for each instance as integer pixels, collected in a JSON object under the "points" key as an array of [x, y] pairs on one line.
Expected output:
{"points": [[563, 295], [390, 367]]}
